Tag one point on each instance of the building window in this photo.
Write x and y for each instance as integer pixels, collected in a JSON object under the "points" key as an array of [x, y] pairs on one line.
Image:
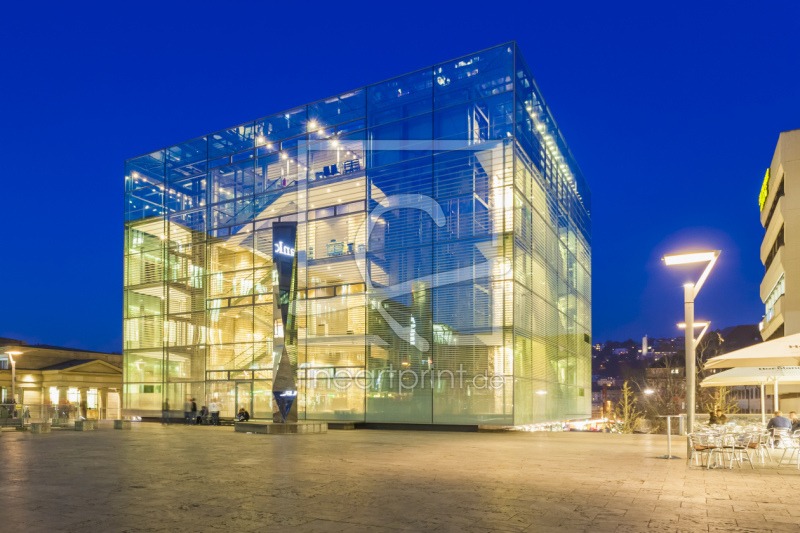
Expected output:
{"points": [[73, 396], [54, 395], [777, 291], [781, 192], [91, 399], [777, 245]]}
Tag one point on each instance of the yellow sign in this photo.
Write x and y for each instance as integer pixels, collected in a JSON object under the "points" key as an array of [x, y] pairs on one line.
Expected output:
{"points": [[762, 196]]}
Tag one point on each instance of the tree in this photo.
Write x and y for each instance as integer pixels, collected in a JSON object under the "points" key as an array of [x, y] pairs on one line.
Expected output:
{"points": [[626, 411], [712, 398], [664, 392]]}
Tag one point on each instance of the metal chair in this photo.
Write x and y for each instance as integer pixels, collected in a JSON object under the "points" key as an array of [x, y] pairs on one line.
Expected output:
{"points": [[732, 447], [777, 433], [715, 445], [741, 447], [791, 445], [700, 446], [760, 443]]}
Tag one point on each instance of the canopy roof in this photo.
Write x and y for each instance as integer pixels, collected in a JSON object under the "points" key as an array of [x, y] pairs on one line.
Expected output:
{"points": [[753, 376], [784, 351]]}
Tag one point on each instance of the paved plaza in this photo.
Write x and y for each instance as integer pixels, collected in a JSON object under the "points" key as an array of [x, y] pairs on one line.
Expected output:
{"points": [[155, 478]]}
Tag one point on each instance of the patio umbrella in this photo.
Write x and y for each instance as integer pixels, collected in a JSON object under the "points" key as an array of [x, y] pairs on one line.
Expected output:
{"points": [[788, 375], [784, 351]]}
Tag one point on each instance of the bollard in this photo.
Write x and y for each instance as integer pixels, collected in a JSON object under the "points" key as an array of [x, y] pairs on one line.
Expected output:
{"points": [[40, 427], [85, 425]]}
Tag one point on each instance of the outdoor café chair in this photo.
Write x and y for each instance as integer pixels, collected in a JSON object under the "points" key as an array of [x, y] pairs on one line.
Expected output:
{"points": [[741, 447], [777, 434], [716, 451], [730, 446], [791, 445], [700, 447], [760, 443]]}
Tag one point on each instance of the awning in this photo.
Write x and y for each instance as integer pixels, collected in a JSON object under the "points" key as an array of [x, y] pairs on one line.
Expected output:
{"points": [[754, 376], [784, 351]]}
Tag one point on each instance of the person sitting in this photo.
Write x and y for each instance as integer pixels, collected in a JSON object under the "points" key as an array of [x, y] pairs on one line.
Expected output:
{"points": [[246, 415], [778, 422], [242, 415], [720, 416], [795, 421], [712, 418]]}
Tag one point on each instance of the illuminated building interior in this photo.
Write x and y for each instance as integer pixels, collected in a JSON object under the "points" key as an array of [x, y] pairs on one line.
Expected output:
{"points": [[481, 316]]}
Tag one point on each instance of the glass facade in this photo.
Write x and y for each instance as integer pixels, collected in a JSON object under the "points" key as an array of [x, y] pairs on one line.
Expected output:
{"points": [[443, 256]]}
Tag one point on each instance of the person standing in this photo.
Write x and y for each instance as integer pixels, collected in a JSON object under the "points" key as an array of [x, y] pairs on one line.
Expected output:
{"points": [[214, 408], [187, 412], [194, 412], [165, 412]]}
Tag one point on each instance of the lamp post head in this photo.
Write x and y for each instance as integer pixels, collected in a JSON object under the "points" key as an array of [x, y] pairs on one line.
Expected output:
{"points": [[709, 257], [691, 257]]}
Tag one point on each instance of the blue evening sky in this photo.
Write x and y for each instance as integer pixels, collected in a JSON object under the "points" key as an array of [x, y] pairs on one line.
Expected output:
{"points": [[672, 110]]}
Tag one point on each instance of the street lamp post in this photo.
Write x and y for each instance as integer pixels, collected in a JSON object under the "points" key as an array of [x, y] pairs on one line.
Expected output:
{"points": [[690, 291], [13, 375]]}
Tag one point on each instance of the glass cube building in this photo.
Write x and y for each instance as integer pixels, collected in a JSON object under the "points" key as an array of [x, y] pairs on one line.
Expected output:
{"points": [[443, 256]]}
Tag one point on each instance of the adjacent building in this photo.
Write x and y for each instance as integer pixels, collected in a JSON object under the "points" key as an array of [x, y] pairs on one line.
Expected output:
{"points": [[443, 256], [49, 376], [779, 202]]}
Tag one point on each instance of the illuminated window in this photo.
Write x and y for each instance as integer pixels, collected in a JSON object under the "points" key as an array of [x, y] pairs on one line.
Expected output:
{"points": [[73, 396], [91, 399], [54, 395], [777, 291]]}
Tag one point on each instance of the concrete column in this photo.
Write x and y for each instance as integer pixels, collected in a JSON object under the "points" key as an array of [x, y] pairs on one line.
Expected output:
{"points": [[62, 400], [763, 405], [83, 401], [777, 406], [102, 403]]}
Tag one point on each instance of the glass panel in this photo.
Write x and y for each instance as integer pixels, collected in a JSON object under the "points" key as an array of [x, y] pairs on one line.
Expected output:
{"points": [[144, 203], [337, 157], [474, 76], [476, 122], [186, 194], [336, 110], [262, 400], [187, 159], [401, 97], [145, 170], [281, 169], [281, 126], [400, 141], [230, 141], [244, 397], [231, 182]]}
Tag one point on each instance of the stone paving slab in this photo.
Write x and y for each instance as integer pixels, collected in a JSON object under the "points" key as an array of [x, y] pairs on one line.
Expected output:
{"points": [[200, 478]]}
